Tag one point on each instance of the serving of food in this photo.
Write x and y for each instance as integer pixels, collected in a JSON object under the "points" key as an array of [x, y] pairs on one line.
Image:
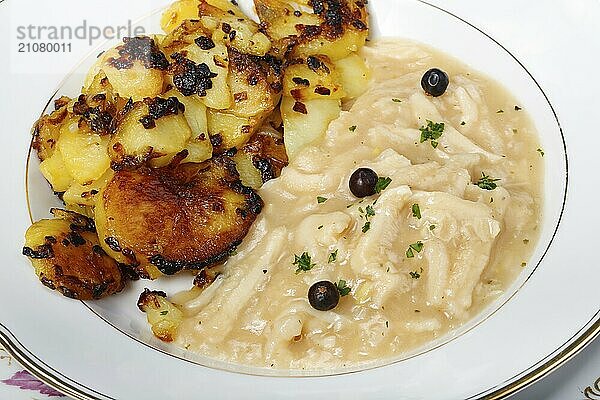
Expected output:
{"points": [[334, 201]]}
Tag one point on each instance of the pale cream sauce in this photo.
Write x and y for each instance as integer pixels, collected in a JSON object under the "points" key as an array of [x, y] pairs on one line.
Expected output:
{"points": [[475, 241]]}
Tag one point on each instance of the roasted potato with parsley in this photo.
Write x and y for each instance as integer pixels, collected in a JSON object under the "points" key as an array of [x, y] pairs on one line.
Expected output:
{"points": [[67, 257], [334, 28], [185, 216], [163, 316]]}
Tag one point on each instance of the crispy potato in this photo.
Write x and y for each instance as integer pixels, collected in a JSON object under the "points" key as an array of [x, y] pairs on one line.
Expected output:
{"points": [[84, 153], [46, 130], [314, 77], [54, 170], [85, 195], [335, 29], [202, 72], [255, 84], [228, 131], [154, 130], [305, 122], [186, 216], [233, 28], [177, 13], [134, 69], [354, 75], [163, 316], [67, 257]]}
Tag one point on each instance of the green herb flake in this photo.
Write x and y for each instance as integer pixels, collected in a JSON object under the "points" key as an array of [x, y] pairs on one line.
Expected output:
{"points": [[370, 212], [463, 123], [304, 263], [523, 264], [515, 131], [164, 312], [418, 246], [525, 241], [416, 211], [320, 227], [352, 128], [366, 227], [382, 184], [541, 152], [432, 131], [517, 108], [397, 100], [343, 288], [414, 275], [499, 111], [431, 227], [321, 200], [410, 253], [332, 256], [487, 183]]}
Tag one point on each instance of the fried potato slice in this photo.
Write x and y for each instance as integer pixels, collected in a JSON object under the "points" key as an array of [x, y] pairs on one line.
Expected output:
{"points": [[135, 68], [67, 257], [163, 316], [262, 158], [255, 83], [314, 77], [186, 216], [334, 28]]}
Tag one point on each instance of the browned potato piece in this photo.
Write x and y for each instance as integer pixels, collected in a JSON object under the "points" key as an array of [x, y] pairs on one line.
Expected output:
{"points": [[46, 130], [314, 77], [266, 152], [255, 83], [162, 315], [334, 28], [186, 216], [67, 257]]}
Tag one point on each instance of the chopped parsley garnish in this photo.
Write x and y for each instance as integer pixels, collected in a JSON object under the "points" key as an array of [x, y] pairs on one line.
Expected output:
{"points": [[382, 184], [397, 100], [320, 227], [304, 263], [463, 123], [352, 128], [431, 227], [433, 131], [418, 247], [370, 212], [515, 130], [499, 111], [517, 108], [366, 227], [487, 183], [332, 257], [321, 200], [541, 152], [523, 264], [416, 211], [343, 288], [164, 312]]}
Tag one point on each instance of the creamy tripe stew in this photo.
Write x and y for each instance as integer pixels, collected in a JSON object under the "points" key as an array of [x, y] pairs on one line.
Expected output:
{"points": [[420, 258]]}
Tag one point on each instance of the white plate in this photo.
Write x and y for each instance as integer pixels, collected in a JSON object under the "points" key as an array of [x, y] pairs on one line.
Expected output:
{"points": [[548, 315]]}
